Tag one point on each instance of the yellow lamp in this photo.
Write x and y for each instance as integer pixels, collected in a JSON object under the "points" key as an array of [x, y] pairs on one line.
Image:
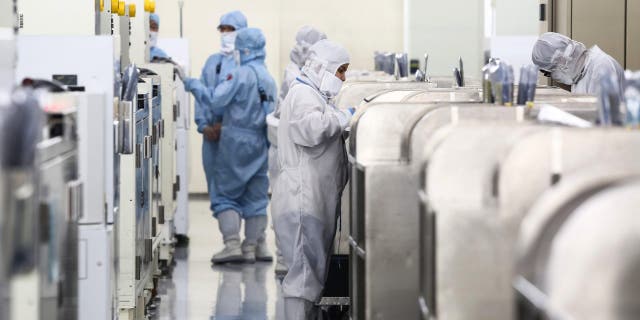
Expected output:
{"points": [[114, 6], [132, 10], [122, 8]]}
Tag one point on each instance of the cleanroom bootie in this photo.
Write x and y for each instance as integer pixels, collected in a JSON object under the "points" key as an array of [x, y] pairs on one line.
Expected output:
{"points": [[229, 223], [232, 253], [248, 252], [262, 252], [254, 230]]}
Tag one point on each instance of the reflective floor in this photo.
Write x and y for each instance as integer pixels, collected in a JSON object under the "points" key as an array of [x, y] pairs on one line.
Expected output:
{"points": [[197, 290]]}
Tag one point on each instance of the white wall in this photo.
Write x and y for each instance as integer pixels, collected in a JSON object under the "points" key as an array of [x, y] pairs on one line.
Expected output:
{"points": [[447, 30], [362, 26], [517, 27], [516, 18], [69, 17]]}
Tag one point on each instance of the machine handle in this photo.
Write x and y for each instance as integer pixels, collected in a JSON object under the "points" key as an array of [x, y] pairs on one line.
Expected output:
{"points": [[359, 251], [161, 214], [138, 156], [147, 147], [74, 200], [155, 133], [426, 67], [461, 70], [457, 77], [127, 132], [424, 309], [117, 136], [117, 127], [535, 297]]}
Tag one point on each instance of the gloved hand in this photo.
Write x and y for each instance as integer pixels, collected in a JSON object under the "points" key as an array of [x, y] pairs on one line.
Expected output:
{"points": [[212, 133], [344, 117], [190, 84]]}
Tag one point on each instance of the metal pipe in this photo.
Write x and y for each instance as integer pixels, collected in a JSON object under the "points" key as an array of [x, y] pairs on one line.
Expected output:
{"points": [[181, 6], [426, 64]]}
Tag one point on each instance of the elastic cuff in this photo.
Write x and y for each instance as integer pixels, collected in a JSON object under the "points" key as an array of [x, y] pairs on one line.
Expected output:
{"points": [[344, 117], [223, 208]]}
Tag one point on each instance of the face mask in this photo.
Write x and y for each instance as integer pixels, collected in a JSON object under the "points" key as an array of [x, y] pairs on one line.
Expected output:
{"points": [[227, 42], [563, 76], [236, 57], [330, 85], [567, 69], [153, 38]]}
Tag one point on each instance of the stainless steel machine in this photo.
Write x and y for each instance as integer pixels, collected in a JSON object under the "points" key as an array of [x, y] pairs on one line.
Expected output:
{"points": [[95, 236], [382, 160], [95, 113], [134, 229], [384, 207], [60, 208], [353, 93], [368, 298], [564, 274], [168, 179], [183, 123], [470, 216], [462, 247], [156, 124]]}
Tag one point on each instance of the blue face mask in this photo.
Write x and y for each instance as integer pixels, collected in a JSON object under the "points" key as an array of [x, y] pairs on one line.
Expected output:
{"points": [[227, 42]]}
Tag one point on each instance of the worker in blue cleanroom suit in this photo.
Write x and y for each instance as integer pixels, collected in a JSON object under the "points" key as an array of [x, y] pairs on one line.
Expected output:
{"points": [[215, 71], [154, 27], [240, 184]]}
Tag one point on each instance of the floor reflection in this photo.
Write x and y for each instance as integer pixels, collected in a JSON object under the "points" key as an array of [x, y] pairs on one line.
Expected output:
{"points": [[172, 299], [242, 292], [196, 290]]}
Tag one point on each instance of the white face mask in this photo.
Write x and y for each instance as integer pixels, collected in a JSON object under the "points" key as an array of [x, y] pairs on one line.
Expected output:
{"points": [[563, 76], [236, 57], [227, 42], [330, 84], [153, 38], [567, 64]]}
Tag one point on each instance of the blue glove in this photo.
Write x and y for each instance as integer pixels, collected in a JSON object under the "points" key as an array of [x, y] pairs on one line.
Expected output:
{"points": [[352, 110], [190, 84]]}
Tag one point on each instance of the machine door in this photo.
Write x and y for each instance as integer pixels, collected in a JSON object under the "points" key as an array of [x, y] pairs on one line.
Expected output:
{"points": [[58, 231]]}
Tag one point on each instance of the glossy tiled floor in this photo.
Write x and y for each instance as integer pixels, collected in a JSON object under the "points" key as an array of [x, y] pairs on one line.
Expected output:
{"points": [[198, 291]]}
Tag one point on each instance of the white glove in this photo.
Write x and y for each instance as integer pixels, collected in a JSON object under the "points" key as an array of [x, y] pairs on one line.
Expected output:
{"points": [[344, 116]]}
